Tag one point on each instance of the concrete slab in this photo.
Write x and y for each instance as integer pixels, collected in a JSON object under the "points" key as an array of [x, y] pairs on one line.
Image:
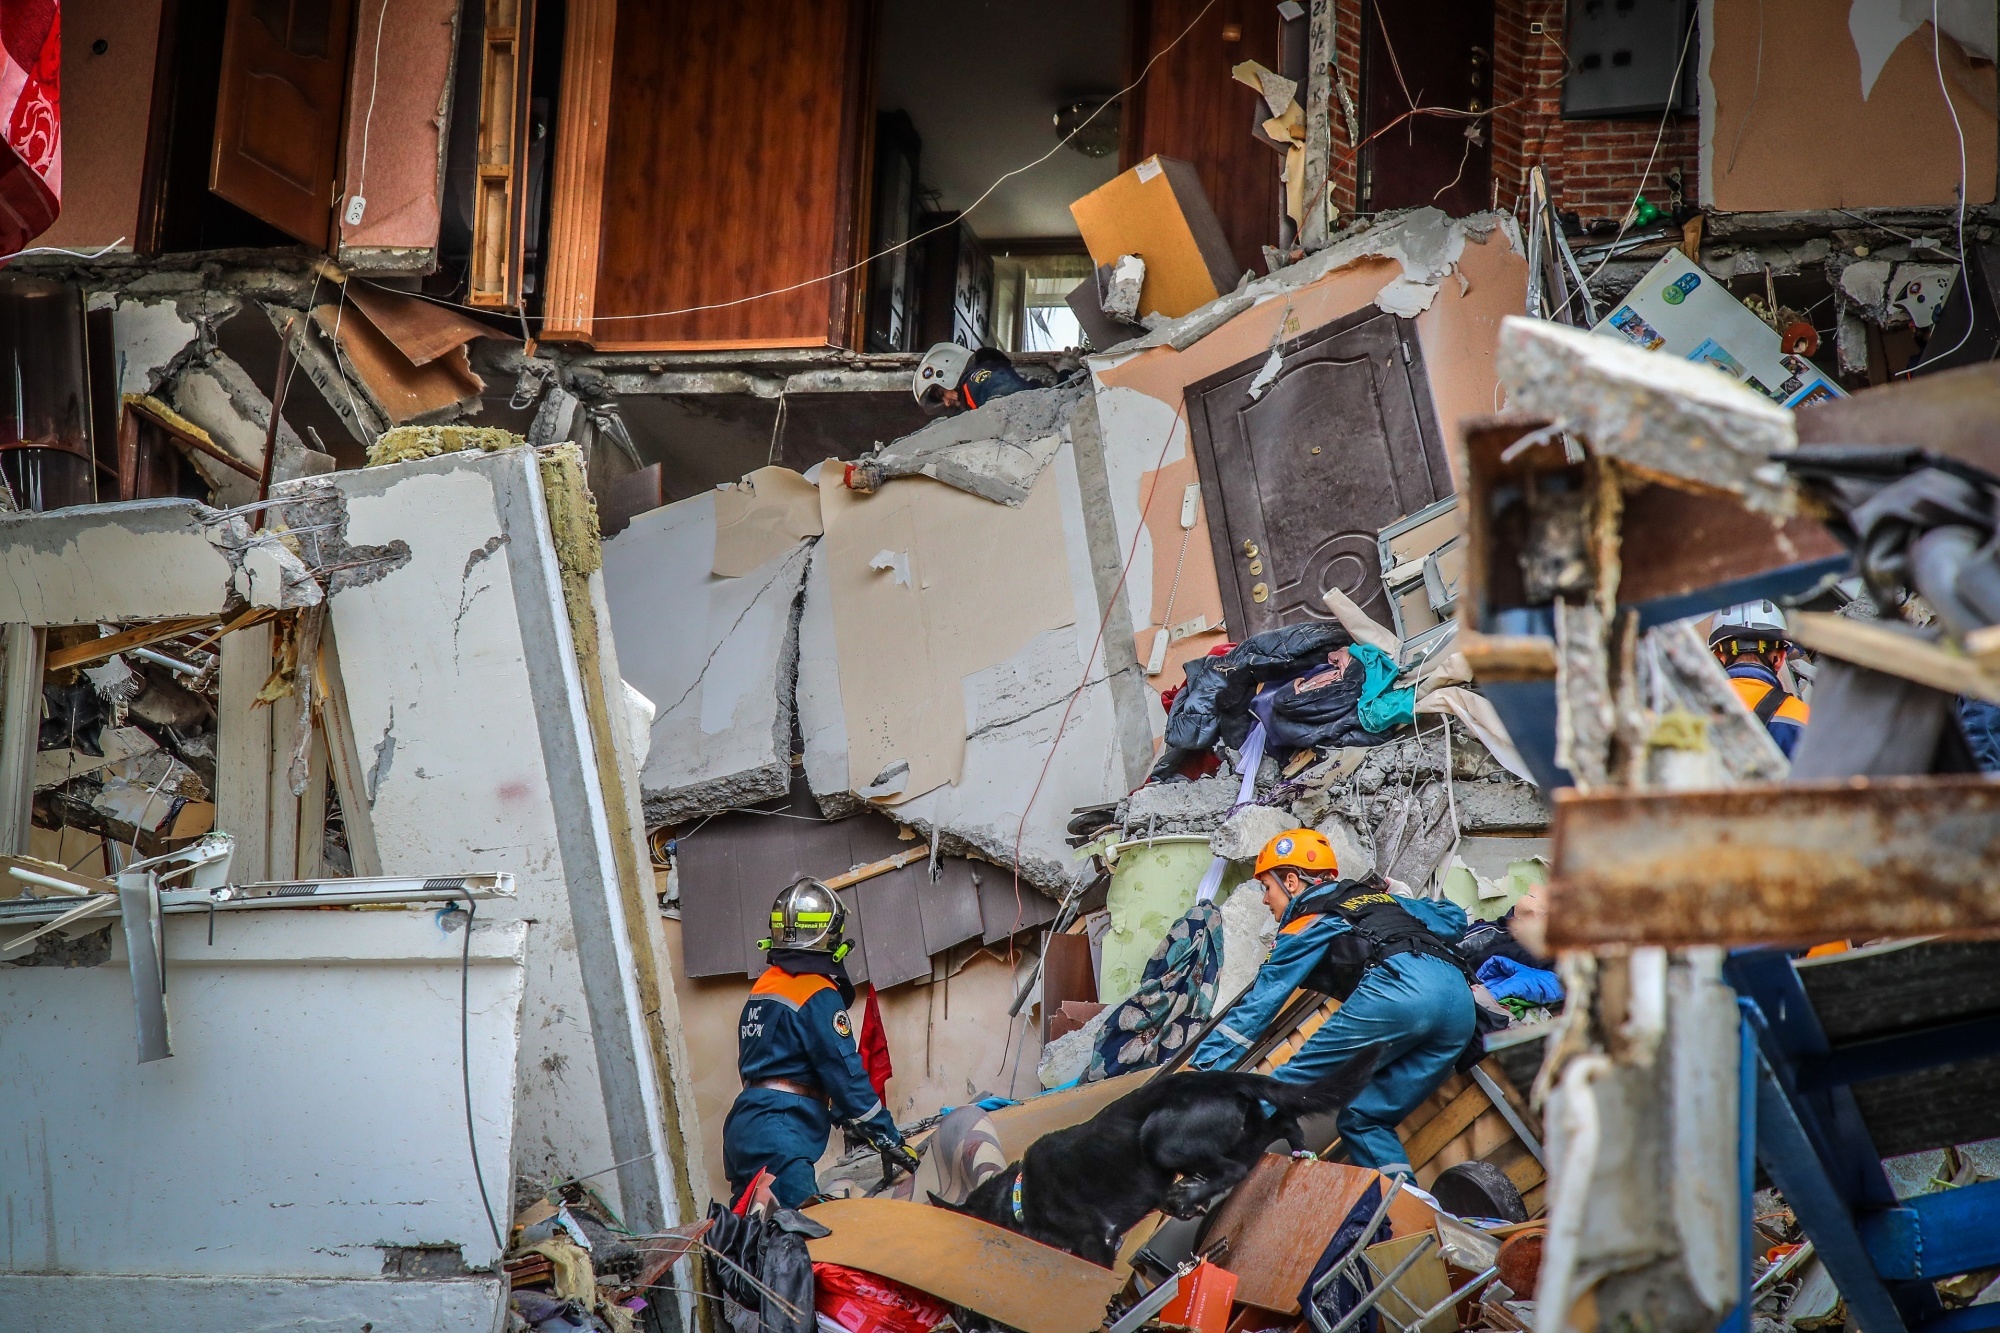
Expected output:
{"points": [[717, 656]]}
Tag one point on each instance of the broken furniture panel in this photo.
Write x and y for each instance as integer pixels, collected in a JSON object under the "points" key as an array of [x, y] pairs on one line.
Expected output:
{"points": [[715, 655], [762, 200], [1004, 1276], [398, 387], [398, 110], [1305, 455], [1803, 863], [500, 193], [279, 111]]}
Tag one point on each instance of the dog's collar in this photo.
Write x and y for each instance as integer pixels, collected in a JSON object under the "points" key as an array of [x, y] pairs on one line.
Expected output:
{"points": [[1015, 1198]]}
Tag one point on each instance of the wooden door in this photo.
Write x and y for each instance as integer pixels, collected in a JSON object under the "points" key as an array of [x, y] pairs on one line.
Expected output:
{"points": [[279, 109], [731, 171], [1190, 107], [1302, 477], [1426, 53]]}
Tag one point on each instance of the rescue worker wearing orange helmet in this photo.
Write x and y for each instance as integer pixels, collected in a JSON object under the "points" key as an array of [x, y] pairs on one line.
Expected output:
{"points": [[1390, 962]]}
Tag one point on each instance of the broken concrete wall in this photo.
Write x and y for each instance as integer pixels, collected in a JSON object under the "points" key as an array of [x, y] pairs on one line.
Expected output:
{"points": [[973, 695], [716, 656], [465, 700], [1456, 279], [310, 1126]]}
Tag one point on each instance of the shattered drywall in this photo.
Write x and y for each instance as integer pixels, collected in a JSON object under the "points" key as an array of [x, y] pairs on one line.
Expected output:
{"points": [[716, 655]]}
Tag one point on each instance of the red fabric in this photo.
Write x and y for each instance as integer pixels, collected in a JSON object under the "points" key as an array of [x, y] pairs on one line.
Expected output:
{"points": [[758, 1183], [30, 120], [874, 1044], [867, 1303]]}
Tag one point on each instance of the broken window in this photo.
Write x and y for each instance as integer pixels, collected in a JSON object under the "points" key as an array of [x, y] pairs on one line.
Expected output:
{"points": [[1031, 310]]}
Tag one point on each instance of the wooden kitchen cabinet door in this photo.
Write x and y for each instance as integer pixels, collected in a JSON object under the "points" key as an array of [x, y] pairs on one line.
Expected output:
{"points": [[1302, 477], [278, 111]]}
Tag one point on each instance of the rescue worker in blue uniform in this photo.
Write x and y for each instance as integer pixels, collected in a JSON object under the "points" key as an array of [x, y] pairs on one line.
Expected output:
{"points": [[953, 379], [1390, 962], [1749, 640], [796, 1054]]}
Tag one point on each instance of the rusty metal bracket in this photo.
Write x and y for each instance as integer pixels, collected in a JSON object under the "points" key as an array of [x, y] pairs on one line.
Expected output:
{"points": [[1771, 863]]}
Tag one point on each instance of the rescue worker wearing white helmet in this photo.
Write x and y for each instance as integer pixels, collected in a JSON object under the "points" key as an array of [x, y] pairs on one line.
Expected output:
{"points": [[953, 379], [1749, 640]]}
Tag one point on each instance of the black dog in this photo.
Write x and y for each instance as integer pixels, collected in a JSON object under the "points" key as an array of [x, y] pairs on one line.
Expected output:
{"points": [[1175, 1146]]}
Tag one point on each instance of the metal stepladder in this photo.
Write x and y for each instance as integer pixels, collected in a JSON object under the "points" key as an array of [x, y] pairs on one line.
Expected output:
{"points": [[1812, 1140]]}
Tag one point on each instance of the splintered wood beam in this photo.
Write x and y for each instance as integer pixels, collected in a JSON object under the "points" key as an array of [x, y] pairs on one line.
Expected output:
{"points": [[1776, 864], [139, 636]]}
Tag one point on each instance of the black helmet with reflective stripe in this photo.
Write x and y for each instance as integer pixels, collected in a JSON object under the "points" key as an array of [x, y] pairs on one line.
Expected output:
{"points": [[807, 915]]}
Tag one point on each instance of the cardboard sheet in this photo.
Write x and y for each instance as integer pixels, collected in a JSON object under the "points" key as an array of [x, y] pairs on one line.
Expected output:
{"points": [[1017, 1281], [1157, 211], [763, 516], [920, 603], [423, 331]]}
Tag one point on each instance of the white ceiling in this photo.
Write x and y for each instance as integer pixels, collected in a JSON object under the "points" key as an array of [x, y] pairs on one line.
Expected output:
{"points": [[982, 80]]}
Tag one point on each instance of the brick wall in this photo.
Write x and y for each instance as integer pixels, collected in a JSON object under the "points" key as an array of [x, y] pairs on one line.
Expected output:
{"points": [[1594, 167]]}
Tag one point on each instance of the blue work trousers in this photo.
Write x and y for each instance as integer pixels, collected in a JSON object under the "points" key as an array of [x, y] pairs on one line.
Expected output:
{"points": [[782, 1132], [1422, 1007]]}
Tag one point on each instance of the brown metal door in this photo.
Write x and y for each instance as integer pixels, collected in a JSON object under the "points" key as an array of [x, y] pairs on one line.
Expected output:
{"points": [[1301, 478], [1435, 54], [278, 111]]}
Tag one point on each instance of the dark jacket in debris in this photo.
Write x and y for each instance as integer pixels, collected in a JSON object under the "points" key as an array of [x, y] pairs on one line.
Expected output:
{"points": [[1321, 706], [771, 1249], [1215, 705]]}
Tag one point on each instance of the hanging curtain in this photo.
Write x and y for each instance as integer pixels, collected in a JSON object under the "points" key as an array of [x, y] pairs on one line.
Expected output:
{"points": [[31, 117]]}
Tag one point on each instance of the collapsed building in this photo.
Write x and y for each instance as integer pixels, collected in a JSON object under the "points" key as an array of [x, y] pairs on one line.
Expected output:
{"points": [[356, 327]]}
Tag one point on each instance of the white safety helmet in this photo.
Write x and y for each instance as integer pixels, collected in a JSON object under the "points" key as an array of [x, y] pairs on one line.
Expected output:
{"points": [[1750, 622], [941, 370]]}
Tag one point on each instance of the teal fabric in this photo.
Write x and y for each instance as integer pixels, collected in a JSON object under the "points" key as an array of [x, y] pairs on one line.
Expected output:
{"points": [[1382, 708]]}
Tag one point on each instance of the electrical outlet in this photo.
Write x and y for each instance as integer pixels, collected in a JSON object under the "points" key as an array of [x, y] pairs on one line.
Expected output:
{"points": [[356, 206], [1190, 505], [1535, 29]]}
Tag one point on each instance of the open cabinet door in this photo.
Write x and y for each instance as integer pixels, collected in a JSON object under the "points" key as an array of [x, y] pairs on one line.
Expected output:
{"points": [[278, 111], [725, 154]]}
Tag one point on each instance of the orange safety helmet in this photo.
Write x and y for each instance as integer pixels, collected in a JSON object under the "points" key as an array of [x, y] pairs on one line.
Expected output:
{"points": [[1302, 849]]}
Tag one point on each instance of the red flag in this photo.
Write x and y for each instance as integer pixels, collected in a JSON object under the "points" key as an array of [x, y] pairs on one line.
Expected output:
{"points": [[874, 1043], [30, 120]]}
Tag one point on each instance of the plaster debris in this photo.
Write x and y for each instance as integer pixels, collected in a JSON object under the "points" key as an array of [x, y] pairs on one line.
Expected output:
{"points": [[1248, 932], [1244, 833], [152, 337], [1179, 807], [1657, 414], [995, 451], [1121, 292]]}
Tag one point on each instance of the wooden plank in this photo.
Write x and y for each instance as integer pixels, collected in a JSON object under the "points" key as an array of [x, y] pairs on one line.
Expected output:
{"points": [[1424, 1284], [243, 752], [401, 390], [1897, 652], [1447, 1125], [576, 195], [1004, 1276], [20, 732], [284, 807], [423, 331], [1019, 1126], [506, 71], [139, 636], [1278, 1221]]}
